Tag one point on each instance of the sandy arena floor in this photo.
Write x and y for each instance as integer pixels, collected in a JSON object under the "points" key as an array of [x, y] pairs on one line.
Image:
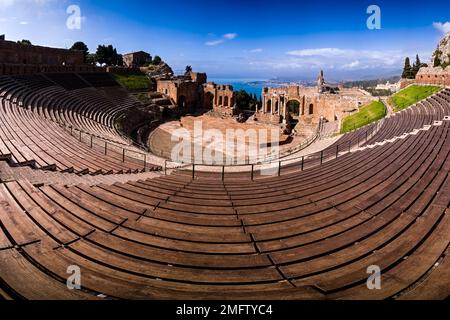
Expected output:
{"points": [[161, 143]]}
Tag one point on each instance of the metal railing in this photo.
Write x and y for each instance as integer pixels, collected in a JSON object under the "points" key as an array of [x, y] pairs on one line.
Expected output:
{"points": [[108, 148], [297, 164], [253, 165]]}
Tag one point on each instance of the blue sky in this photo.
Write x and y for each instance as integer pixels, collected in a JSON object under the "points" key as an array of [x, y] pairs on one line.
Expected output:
{"points": [[243, 39]]}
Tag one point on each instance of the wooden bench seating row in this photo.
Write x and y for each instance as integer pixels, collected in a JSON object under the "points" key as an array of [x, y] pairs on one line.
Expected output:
{"points": [[35, 140], [306, 235], [86, 229], [62, 99]]}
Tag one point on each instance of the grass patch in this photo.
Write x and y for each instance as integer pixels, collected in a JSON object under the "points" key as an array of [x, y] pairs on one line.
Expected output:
{"points": [[411, 95], [367, 114], [143, 97], [133, 82]]}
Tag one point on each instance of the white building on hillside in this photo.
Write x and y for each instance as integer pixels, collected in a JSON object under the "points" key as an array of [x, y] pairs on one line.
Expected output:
{"points": [[394, 87]]}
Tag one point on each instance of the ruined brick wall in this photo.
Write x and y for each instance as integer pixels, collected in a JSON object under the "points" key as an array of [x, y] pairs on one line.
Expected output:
{"points": [[19, 59], [123, 71], [189, 95], [268, 118], [313, 105], [406, 82], [434, 76], [14, 53], [185, 94], [21, 69], [200, 78], [136, 59], [220, 98], [192, 95], [224, 96], [429, 76]]}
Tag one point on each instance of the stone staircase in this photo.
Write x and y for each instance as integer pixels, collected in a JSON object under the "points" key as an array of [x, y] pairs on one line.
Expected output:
{"points": [[403, 136], [42, 177]]}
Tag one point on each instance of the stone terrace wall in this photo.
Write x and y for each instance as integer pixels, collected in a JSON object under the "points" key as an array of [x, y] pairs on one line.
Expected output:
{"points": [[19, 59], [435, 76], [21, 69], [124, 71], [406, 82], [14, 53], [429, 76]]}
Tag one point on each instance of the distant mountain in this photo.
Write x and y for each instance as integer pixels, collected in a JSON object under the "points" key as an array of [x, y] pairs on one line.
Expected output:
{"points": [[370, 83], [363, 83], [336, 79]]}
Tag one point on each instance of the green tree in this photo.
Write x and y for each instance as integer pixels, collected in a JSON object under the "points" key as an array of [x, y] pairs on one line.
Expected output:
{"points": [[25, 42], [446, 64], [244, 100], [416, 67], [188, 70], [437, 58], [81, 46], [294, 108], [156, 60], [91, 58], [407, 70], [108, 55], [119, 60]]}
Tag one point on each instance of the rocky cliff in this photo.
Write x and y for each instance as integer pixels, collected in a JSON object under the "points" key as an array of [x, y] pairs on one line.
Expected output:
{"points": [[441, 57], [160, 70]]}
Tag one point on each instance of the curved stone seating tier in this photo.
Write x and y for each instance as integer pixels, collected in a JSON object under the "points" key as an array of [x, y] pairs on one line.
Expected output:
{"points": [[99, 80], [303, 235], [69, 81], [433, 109], [72, 101], [29, 139]]}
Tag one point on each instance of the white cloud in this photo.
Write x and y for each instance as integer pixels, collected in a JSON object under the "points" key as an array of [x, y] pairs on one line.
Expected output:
{"points": [[230, 36], [442, 27], [307, 60], [351, 65], [225, 37], [257, 50], [24, 23], [214, 43], [324, 52], [350, 58]]}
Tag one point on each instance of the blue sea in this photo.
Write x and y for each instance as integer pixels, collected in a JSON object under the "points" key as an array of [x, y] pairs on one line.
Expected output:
{"points": [[252, 86]]}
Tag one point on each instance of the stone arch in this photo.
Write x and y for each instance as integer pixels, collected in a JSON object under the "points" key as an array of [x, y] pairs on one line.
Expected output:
{"points": [[269, 106], [311, 109], [293, 107], [226, 101], [208, 100], [220, 102], [277, 106], [182, 102]]}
